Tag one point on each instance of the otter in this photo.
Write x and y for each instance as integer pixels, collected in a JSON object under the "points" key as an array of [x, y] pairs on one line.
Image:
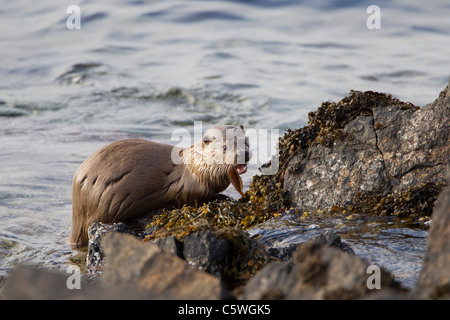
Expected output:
{"points": [[130, 177]]}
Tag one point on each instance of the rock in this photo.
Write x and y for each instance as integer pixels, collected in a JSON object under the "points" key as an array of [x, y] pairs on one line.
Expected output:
{"points": [[227, 253], [282, 253], [27, 283], [169, 244], [95, 256], [316, 272], [314, 185], [2, 283], [30, 283], [201, 248], [369, 145], [143, 266], [415, 144], [205, 250], [434, 279], [131, 270], [332, 239], [280, 238]]}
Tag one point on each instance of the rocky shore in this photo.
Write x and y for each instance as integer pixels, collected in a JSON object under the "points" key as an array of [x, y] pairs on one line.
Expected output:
{"points": [[366, 154]]}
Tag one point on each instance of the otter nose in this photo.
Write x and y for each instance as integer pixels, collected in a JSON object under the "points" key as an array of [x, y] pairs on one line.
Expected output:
{"points": [[247, 156], [243, 157]]}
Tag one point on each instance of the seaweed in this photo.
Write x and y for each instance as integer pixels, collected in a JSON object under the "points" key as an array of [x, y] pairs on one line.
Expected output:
{"points": [[414, 202], [226, 220]]}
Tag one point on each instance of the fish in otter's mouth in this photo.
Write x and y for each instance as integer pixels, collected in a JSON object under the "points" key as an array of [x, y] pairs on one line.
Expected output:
{"points": [[234, 172]]}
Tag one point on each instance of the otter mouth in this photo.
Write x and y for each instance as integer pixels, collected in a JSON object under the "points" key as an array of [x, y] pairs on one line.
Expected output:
{"points": [[233, 173], [241, 168]]}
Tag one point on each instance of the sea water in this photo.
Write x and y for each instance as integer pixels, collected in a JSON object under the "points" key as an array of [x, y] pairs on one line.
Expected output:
{"points": [[142, 69]]}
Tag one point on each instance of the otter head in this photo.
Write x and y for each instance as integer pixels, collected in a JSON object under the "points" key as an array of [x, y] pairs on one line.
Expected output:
{"points": [[225, 151]]}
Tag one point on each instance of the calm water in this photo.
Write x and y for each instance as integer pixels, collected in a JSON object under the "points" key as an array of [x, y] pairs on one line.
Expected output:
{"points": [[142, 69]]}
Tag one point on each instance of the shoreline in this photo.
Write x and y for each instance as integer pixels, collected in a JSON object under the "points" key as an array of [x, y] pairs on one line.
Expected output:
{"points": [[376, 156]]}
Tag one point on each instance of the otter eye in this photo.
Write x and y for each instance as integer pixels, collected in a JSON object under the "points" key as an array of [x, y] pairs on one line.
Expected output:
{"points": [[207, 139]]}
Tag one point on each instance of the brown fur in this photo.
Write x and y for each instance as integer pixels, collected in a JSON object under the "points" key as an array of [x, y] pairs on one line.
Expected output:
{"points": [[130, 177]]}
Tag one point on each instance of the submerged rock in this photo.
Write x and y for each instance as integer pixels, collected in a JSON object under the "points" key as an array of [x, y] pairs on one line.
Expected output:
{"points": [[331, 239]]}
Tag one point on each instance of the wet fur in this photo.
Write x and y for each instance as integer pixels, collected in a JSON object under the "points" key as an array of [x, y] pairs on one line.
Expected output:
{"points": [[131, 177]]}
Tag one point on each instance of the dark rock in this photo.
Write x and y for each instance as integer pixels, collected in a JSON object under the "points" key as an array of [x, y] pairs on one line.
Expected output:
{"points": [[228, 253], [282, 253], [202, 249], [169, 244], [434, 279], [383, 147], [134, 264], [328, 238], [332, 239], [316, 272], [205, 250]]}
